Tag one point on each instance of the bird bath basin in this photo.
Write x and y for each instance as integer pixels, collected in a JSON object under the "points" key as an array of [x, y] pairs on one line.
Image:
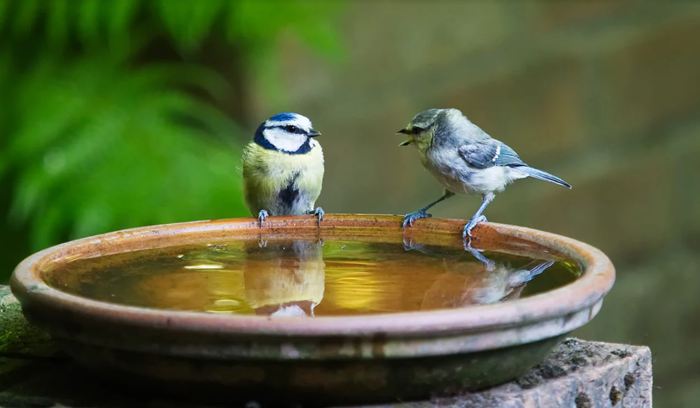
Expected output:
{"points": [[354, 310]]}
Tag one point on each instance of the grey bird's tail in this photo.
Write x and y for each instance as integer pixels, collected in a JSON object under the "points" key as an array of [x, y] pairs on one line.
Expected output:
{"points": [[539, 269], [523, 276], [543, 175]]}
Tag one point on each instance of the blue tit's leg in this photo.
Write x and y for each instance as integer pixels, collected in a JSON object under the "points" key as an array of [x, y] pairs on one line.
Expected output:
{"points": [[262, 216], [410, 245], [319, 213], [411, 217], [478, 216]]}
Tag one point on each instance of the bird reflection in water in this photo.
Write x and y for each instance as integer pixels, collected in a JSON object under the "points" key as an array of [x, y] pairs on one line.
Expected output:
{"points": [[484, 282], [284, 278], [303, 278]]}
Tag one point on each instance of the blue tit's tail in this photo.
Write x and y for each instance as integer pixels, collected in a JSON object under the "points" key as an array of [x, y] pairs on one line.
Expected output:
{"points": [[543, 175]]}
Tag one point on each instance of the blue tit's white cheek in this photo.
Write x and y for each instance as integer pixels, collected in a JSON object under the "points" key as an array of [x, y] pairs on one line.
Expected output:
{"points": [[284, 140]]}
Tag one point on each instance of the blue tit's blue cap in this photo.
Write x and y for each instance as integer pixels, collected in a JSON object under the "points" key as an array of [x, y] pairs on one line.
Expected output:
{"points": [[283, 116]]}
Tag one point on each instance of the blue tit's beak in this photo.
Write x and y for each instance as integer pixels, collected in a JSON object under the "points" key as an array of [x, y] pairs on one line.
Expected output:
{"points": [[404, 131], [313, 133]]}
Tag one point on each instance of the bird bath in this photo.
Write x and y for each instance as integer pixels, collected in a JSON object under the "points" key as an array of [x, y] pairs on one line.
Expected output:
{"points": [[354, 310]]}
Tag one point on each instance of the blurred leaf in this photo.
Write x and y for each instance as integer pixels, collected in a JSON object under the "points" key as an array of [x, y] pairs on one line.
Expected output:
{"points": [[4, 6], [188, 22], [26, 14], [258, 23], [113, 155], [57, 25], [88, 21], [119, 18]]}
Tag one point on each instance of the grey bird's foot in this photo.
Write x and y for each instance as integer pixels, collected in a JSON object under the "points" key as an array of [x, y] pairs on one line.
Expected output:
{"points": [[467, 231], [410, 218], [262, 216], [319, 213], [477, 254]]}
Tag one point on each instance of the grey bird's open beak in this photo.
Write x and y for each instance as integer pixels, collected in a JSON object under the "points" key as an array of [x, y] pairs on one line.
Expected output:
{"points": [[405, 132], [313, 133]]}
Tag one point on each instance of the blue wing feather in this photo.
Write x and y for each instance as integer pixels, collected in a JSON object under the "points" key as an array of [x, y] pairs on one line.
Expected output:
{"points": [[488, 153]]}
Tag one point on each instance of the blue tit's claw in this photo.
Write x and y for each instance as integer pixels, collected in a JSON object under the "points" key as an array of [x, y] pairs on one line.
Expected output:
{"points": [[262, 216], [319, 213], [410, 218], [408, 244]]}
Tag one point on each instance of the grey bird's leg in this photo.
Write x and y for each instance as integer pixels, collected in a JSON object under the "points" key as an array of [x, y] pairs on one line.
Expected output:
{"points": [[319, 213], [477, 254], [478, 217], [262, 216], [411, 217]]}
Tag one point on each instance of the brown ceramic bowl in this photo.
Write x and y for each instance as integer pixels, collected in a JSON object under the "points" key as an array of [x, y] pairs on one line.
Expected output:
{"points": [[328, 359]]}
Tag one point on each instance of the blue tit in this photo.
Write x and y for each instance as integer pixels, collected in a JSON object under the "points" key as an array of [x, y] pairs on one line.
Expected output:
{"points": [[283, 168], [465, 159], [291, 282]]}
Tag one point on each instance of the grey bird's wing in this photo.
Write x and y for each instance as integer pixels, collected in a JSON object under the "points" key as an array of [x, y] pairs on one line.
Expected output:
{"points": [[486, 153]]}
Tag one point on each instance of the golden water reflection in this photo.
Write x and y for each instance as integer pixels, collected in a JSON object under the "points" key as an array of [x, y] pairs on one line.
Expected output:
{"points": [[304, 278]]}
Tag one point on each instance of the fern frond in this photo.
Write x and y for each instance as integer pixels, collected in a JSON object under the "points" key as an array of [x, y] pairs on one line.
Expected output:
{"points": [[111, 151]]}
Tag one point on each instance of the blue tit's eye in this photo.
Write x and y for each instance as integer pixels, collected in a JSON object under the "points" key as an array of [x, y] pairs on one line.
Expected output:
{"points": [[291, 129]]}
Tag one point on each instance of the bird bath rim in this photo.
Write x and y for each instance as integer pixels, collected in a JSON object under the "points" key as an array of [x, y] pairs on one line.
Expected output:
{"points": [[469, 329]]}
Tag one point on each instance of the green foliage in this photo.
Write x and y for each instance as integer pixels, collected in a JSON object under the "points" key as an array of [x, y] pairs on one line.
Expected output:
{"points": [[251, 24], [96, 149], [112, 118]]}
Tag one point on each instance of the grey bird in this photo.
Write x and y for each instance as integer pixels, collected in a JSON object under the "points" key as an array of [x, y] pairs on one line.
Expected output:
{"points": [[466, 160]]}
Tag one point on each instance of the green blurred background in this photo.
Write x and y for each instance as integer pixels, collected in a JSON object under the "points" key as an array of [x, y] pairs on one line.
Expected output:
{"points": [[121, 113]]}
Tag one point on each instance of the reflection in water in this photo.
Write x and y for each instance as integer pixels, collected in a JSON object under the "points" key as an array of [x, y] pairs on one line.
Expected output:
{"points": [[284, 279], [489, 281], [298, 278]]}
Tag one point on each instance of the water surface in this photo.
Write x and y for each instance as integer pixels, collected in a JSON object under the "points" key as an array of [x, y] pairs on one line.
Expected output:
{"points": [[310, 278]]}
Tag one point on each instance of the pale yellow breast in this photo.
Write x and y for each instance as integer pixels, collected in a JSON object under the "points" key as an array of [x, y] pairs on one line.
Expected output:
{"points": [[266, 172]]}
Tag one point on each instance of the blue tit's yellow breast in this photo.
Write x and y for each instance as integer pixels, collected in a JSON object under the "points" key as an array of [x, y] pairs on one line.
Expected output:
{"points": [[268, 172]]}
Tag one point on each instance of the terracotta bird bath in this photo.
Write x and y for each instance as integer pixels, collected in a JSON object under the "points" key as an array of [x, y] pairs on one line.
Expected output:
{"points": [[287, 346]]}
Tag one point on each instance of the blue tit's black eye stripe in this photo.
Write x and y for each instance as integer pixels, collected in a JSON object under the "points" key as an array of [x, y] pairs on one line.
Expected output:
{"points": [[288, 128]]}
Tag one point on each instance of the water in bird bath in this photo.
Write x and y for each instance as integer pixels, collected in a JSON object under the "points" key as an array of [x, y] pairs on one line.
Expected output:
{"points": [[309, 277]]}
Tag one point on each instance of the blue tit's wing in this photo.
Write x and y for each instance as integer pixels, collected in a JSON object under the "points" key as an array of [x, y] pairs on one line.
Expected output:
{"points": [[486, 153]]}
